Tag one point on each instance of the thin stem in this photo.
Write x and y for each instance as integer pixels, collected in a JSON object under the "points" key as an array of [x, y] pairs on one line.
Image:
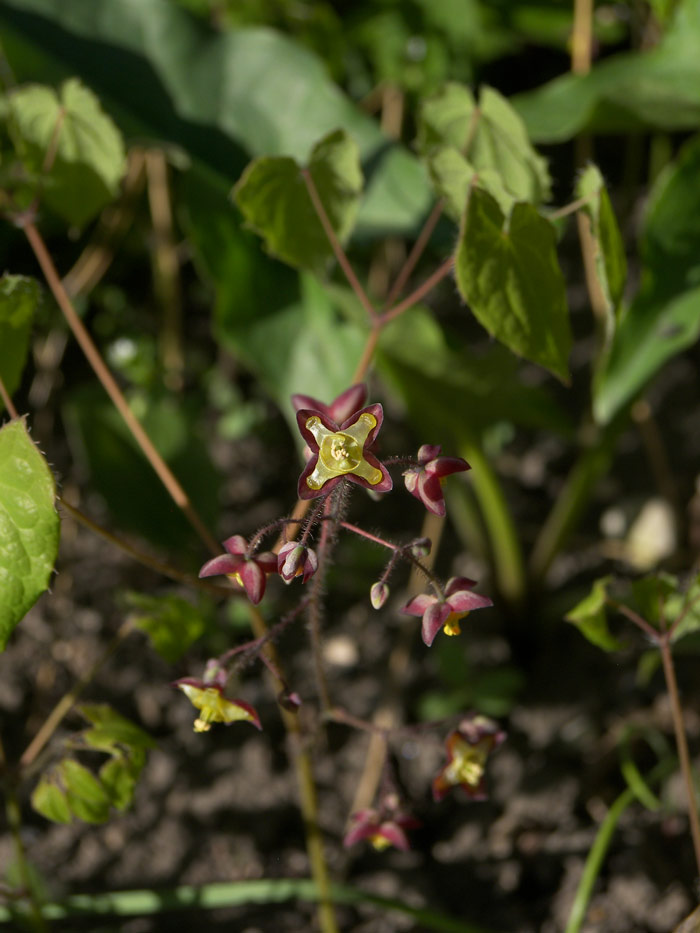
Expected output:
{"points": [[151, 562], [582, 37], [681, 743], [440, 273], [370, 537], [367, 354], [415, 254], [636, 619], [165, 474], [9, 404], [315, 604], [68, 700], [338, 250], [301, 761], [570, 208]]}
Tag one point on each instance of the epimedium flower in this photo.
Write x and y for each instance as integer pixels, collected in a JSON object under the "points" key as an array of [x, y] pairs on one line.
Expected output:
{"points": [[445, 612], [247, 570], [424, 481], [295, 560], [213, 706], [341, 452], [381, 828], [468, 748]]}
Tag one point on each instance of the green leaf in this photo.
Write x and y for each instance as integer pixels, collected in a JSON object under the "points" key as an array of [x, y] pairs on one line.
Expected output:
{"points": [[650, 594], [610, 260], [49, 800], [273, 197], [590, 618], [453, 176], [490, 139], [19, 297], [222, 96], [86, 796], [649, 334], [282, 326], [510, 277], [627, 92], [90, 158], [171, 623], [664, 318], [119, 781], [110, 729], [29, 526]]}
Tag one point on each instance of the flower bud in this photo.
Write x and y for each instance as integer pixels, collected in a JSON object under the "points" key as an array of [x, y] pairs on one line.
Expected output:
{"points": [[421, 547], [295, 560], [378, 594], [290, 701]]}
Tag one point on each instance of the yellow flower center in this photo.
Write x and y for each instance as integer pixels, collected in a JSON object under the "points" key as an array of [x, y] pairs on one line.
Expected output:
{"points": [[342, 452], [451, 626], [379, 842], [468, 763]]}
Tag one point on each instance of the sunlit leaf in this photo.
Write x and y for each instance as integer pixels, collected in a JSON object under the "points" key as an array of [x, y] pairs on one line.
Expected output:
{"points": [[50, 801], [89, 159], [508, 273], [487, 138], [610, 260], [29, 526], [273, 197]]}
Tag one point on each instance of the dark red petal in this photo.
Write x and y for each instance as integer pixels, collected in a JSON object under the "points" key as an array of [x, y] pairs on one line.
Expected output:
{"points": [[304, 491], [358, 833], [386, 483], [225, 563], [267, 561], [433, 620], [418, 605], [303, 416], [444, 466], [466, 601], [253, 580], [428, 452], [430, 494], [458, 583], [375, 410], [310, 565], [441, 786], [236, 544], [305, 401], [255, 719], [347, 403], [393, 833]]}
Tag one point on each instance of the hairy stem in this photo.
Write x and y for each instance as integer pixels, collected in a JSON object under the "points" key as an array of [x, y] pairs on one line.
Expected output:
{"points": [[303, 767]]}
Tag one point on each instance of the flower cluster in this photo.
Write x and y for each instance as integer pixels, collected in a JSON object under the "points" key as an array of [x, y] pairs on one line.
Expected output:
{"points": [[341, 439]]}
